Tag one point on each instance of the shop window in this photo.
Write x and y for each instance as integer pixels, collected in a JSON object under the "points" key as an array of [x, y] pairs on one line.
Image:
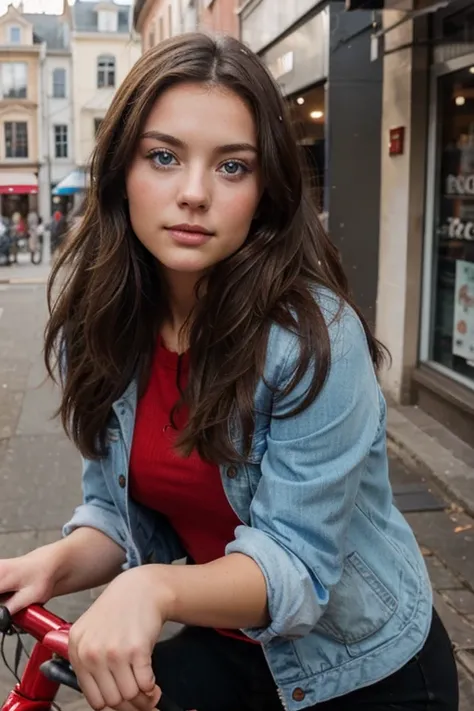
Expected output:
{"points": [[16, 139], [106, 72], [452, 301]]}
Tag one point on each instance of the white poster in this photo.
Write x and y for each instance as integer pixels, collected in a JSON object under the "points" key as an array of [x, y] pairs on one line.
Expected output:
{"points": [[463, 331]]}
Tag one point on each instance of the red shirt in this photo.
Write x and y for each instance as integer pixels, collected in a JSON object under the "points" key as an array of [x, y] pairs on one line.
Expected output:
{"points": [[188, 491]]}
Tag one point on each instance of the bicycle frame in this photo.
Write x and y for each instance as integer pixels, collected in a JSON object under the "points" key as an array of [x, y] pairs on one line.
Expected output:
{"points": [[35, 692]]}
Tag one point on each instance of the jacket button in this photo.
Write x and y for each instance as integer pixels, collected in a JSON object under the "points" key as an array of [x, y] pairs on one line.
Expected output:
{"points": [[232, 472], [298, 694], [122, 481]]}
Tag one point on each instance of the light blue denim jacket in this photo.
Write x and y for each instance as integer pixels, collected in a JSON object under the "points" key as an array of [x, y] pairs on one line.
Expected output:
{"points": [[348, 594]]}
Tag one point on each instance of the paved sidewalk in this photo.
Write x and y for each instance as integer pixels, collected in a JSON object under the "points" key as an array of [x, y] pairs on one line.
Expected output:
{"points": [[25, 272], [423, 442]]}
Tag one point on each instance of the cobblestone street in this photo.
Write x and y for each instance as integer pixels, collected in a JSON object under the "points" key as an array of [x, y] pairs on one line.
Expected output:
{"points": [[40, 481]]}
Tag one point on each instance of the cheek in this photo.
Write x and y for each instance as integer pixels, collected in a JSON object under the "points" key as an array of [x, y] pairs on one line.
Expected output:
{"points": [[238, 211], [140, 190]]}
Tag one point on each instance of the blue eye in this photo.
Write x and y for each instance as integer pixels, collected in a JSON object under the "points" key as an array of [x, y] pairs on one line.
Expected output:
{"points": [[162, 158], [234, 168]]}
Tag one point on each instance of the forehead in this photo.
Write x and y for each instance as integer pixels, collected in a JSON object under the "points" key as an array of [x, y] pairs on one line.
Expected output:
{"points": [[201, 112]]}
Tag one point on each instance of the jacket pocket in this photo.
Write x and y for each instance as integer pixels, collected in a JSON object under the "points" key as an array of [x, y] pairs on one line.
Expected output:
{"points": [[359, 606]]}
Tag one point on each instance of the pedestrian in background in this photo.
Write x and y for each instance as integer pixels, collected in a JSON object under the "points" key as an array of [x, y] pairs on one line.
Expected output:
{"points": [[221, 386]]}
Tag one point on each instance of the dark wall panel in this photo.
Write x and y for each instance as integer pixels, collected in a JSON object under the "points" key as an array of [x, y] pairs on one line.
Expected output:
{"points": [[354, 107]]}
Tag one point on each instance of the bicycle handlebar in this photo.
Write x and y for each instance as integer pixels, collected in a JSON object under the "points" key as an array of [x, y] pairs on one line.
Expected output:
{"points": [[53, 633]]}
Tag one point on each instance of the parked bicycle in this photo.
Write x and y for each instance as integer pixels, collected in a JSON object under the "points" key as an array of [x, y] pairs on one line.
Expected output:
{"points": [[47, 667]]}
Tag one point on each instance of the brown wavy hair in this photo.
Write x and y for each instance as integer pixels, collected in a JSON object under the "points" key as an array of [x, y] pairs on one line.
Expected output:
{"points": [[107, 301]]}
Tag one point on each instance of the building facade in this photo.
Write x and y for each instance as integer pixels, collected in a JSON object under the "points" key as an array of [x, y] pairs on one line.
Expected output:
{"points": [[57, 158], [320, 55], [219, 16], [156, 20], [104, 48], [21, 58], [425, 310]]}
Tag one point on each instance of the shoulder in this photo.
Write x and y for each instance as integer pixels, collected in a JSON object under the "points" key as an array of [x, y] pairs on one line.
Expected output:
{"points": [[347, 338]]}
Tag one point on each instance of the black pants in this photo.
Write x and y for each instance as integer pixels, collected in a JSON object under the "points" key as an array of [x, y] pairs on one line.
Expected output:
{"points": [[201, 669]]}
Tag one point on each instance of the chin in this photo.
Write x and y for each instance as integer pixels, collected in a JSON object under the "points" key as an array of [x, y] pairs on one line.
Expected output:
{"points": [[185, 266]]}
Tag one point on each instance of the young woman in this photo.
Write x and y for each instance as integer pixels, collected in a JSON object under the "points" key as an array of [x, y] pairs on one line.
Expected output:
{"points": [[221, 387]]}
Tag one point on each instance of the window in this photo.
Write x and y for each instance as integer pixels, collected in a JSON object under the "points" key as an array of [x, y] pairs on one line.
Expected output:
{"points": [[61, 141], [451, 302], [97, 124], [14, 80], [108, 21], [170, 21], [16, 139], [162, 30], [105, 72], [14, 34], [59, 83]]}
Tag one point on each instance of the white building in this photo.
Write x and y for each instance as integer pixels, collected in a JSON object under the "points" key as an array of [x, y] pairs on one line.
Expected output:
{"points": [[57, 154], [104, 49]]}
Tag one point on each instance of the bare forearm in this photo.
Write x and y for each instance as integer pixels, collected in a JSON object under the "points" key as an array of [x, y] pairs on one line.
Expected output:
{"points": [[85, 559], [227, 593]]}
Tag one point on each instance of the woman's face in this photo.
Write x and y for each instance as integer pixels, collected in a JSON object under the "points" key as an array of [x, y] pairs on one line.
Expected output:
{"points": [[194, 183]]}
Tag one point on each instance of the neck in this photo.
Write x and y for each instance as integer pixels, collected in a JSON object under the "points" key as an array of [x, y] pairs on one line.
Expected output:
{"points": [[182, 298]]}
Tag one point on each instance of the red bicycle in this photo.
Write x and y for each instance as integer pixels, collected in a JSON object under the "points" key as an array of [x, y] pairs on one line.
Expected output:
{"points": [[47, 667]]}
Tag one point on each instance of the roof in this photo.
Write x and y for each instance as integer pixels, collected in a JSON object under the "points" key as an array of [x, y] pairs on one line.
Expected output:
{"points": [[85, 17], [49, 29]]}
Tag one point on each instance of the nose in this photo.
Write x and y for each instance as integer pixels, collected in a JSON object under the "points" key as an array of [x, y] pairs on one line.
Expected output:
{"points": [[194, 192]]}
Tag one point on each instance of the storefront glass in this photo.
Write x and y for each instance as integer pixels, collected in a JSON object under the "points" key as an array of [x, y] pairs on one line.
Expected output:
{"points": [[452, 307], [308, 113]]}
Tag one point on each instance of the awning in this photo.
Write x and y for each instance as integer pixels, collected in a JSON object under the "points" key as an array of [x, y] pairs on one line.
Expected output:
{"points": [[72, 183], [18, 183]]}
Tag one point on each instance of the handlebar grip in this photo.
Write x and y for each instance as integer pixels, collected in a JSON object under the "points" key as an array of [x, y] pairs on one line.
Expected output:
{"points": [[5, 620], [60, 670]]}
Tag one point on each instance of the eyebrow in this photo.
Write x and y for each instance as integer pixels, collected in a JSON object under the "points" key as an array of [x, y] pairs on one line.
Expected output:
{"points": [[177, 143]]}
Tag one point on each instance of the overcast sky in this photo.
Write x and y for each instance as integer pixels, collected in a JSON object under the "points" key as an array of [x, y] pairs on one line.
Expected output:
{"points": [[45, 5]]}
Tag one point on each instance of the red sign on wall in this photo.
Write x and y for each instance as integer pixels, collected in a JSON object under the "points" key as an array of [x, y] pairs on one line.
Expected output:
{"points": [[396, 141]]}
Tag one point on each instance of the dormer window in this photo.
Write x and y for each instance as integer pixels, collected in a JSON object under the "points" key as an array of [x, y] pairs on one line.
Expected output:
{"points": [[14, 34], [108, 21]]}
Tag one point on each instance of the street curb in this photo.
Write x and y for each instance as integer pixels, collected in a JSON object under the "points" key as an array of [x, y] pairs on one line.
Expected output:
{"points": [[417, 448], [24, 280]]}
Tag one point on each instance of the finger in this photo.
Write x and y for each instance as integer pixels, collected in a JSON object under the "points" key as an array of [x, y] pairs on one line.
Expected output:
{"points": [[91, 690], [143, 702], [108, 687], [143, 673], [146, 702], [126, 682], [18, 601]]}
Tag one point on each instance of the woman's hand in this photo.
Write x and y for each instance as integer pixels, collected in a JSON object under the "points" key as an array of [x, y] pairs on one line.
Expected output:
{"points": [[110, 646], [29, 578]]}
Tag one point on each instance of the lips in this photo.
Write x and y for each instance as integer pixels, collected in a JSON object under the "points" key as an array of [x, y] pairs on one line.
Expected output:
{"points": [[190, 235]]}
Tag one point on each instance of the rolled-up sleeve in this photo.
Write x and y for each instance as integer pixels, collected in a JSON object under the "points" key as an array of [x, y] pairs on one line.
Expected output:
{"points": [[97, 509], [310, 477]]}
